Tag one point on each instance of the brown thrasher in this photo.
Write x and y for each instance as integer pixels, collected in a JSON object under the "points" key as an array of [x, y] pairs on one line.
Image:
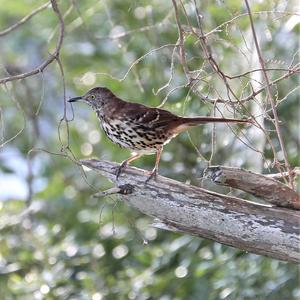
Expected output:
{"points": [[142, 129]]}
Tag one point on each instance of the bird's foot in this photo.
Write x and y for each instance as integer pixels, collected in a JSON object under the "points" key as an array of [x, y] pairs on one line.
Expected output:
{"points": [[152, 174]]}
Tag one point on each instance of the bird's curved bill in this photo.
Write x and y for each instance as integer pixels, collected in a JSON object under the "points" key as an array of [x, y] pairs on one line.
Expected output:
{"points": [[75, 99]]}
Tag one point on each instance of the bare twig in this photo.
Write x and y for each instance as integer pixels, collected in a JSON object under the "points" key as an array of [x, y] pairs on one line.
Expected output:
{"points": [[52, 56], [254, 93], [3, 142], [269, 93], [136, 62], [278, 176], [24, 20], [218, 28], [291, 69], [171, 71], [65, 15], [181, 42], [122, 189]]}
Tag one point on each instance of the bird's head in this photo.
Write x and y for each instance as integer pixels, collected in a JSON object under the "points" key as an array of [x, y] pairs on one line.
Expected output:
{"points": [[96, 97]]}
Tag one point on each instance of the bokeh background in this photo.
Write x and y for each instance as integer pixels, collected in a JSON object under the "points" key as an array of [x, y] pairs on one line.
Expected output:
{"points": [[56, 242]]}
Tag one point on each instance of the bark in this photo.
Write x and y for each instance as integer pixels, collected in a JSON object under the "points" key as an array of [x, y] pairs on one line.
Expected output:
{"points": [[259, 185], [256, 228]]}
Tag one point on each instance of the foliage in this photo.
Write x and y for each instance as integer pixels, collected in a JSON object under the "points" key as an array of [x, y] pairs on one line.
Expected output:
{"points": [[56, 241]]}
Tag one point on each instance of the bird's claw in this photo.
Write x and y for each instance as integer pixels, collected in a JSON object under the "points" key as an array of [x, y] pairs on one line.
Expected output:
{"points": [[119, 169], [152, 174]]}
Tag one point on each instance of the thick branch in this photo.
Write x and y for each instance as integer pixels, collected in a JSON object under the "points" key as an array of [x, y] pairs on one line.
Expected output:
{"points": [[258, 185], [252, 227]]}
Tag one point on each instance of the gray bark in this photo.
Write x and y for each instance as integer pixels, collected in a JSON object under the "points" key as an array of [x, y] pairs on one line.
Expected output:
{"points": [[256, 228], [261, 186]]}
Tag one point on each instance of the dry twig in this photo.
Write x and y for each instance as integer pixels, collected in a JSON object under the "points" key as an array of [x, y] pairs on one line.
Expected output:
{"points": [[271, 100], [24, 20], [52, 56]]}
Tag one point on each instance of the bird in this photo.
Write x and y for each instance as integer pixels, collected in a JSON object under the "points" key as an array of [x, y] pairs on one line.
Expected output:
{"points": [[142, 129]]}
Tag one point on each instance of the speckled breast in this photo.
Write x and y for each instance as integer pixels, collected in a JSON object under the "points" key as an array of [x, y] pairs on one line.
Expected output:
{"points": [[133, 135]]}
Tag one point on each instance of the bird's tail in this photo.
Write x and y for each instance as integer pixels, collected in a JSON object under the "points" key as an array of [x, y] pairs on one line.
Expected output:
{"points": [[189, 122], [203, 120]]}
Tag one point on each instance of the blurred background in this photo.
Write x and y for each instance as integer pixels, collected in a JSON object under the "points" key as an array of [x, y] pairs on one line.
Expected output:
{"points": [[56, 242]]}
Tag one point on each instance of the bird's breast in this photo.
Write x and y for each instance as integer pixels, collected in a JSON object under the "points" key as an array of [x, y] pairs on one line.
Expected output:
{"points": [[135, 136]]}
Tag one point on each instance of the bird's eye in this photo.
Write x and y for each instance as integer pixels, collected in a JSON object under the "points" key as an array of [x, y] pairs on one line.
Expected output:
{"points": [[92, 97]]}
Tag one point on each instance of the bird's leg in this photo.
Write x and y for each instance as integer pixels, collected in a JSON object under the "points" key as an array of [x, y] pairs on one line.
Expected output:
{"points": [[125, 163], [154, 172]]}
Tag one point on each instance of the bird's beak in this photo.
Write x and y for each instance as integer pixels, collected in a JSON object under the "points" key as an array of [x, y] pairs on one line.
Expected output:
{"points": [[75, 99]]}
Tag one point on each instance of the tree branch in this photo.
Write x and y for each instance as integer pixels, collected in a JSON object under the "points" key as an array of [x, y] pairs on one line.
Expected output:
{"points": [[52, 56], [258, 185], [280, 176], [252, 227], [24, 20], [270, 98]]}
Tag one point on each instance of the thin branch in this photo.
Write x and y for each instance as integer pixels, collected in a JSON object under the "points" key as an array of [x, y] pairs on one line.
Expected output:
{"points": [[136, 62], [52, 56], [218, 28], [54, 31], [269, 93], [279, 176], [181, 42], [24, 20], [254, 93], [171, 71], [260, 70], [3, 142]]}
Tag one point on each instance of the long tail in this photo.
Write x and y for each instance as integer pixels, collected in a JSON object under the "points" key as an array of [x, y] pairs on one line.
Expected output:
{"points": [[185, 123], [203, 120]]}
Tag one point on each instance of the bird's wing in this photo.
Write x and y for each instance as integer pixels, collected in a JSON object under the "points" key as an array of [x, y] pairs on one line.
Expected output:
{"points": [[150, 117]]}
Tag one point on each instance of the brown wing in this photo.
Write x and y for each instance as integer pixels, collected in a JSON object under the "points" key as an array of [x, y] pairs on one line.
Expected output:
{"points": [[149, 116]]}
